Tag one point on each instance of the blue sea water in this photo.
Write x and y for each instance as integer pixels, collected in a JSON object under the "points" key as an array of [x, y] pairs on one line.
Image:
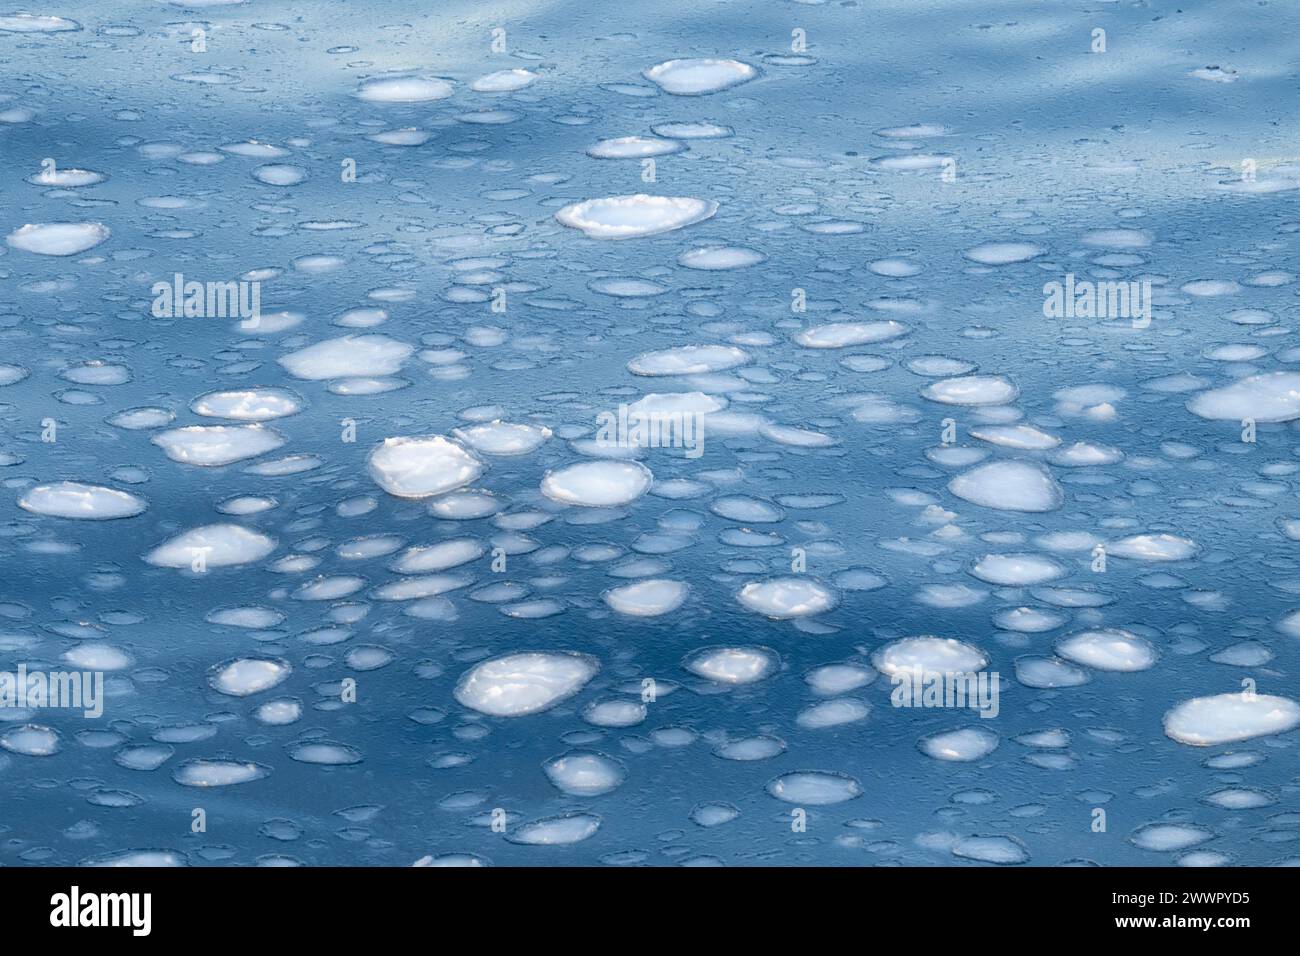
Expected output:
{"points": [[871, 153]]}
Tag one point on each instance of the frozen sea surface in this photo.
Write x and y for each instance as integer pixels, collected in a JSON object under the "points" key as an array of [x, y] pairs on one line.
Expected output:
{"points": [[361, 536]]}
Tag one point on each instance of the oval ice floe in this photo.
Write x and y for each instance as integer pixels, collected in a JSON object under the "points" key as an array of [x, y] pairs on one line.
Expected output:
{"points": [[696, 77], [971, 390], [1003, 253], [248, 675], [72, 499], [524, 683], [1229, 718], [633, 147], [557, 831], [58, 238], [422, 467], [1153, 547], [218, 773], [1017, 570], [1003, 850], [732, 665], [630, 217], [921, 656], [212, 546], [324, 753], [351, 356], [1168, 837], [1109, 649], [1009, 486], [582, 773], [404, 89], [688, 360], [786, 598], [248, 404], [503, 438], [814, 788], [1272, 397], [504, 81], [649, 598], [839, 335], [720, 258], [214, 446], [964, 745], [598, 484]]}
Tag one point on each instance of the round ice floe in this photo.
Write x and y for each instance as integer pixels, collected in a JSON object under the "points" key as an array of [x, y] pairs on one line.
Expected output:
{"points": [[786, 598], [324, 753], [814, 788], [438, 557], [212, 546], [628, 217], [696, 77], [36, 23], [598, 484], [524, 683], [31, 740], [1108, 650], [1003, 850], [1273, 397], [1229, 718], [615, 713], [732, 665], [58, 238], [557, 831], [698, 130], [831, 679], [72, 499], [66, 178], [688, 360], [839, 335], [280, 174], [633, 147], [1004, 253], [649, 598], [248, 675], [971, 390], [218, 773], [627, 288], [503, 81], [921, 656], [967, 744], [351, 356], [1029, 620], [720, 258], [503, 438], [581, 773], [833, 713], [248, 404], [1017, 570], [1021, 437], [1168, 837], [404, 89], [1009, 486], [422, 467], [1049, 672], [1153, 547], [212, 446], [1239, 798], [746, 509], [255, 618]]}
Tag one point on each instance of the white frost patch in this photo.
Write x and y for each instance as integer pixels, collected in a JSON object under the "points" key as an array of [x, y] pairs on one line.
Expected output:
{"points": [[696, 77], [58, 238], [649, 598], [629, 217], [1229, 718], [598, 484], [348, 357], [217, 545], [422, 467], [1274, 397], [1108, 650], [1009, 486], [72, 499], [211, 446], [786, 598], [528, 682]]}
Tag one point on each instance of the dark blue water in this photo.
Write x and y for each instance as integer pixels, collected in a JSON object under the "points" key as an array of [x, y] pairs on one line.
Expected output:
{"points": [[1168, 158]]}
